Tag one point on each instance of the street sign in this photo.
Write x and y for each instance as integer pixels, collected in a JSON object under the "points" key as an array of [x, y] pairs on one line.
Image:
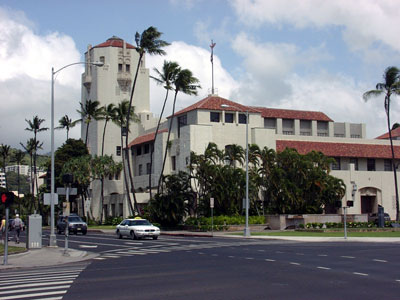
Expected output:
{"points": [[63, 191], [211, 202], [47, 198]]}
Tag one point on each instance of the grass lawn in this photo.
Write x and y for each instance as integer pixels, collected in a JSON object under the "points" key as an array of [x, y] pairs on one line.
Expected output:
{"points": [[12, 249], [331, 234], [102, 226]]}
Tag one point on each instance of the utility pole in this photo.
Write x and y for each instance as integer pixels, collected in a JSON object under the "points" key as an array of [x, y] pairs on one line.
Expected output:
{"points": [[212, 66]]}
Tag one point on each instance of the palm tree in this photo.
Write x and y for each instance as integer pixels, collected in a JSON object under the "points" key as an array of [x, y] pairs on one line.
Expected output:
{"points": [[166, 77], [67, 123], [186, 83], [390, 86], [89, 111], [121, 112], [147, 42], [107, 114], [18, 157], [5, 152]]}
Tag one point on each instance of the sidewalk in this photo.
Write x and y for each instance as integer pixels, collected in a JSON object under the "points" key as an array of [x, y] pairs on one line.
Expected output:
{"points": [[49, 256]]}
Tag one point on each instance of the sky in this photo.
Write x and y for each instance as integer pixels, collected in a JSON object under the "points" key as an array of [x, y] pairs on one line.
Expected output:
{"points": [[294, 54]]}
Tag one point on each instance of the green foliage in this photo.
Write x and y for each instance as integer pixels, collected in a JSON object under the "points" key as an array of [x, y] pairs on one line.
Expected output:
{"points": [[331, 225], [113, 221], [221, 222]]}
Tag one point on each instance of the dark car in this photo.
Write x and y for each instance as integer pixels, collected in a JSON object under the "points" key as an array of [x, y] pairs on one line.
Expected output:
{"points": [[374, 218], [75, 224]]}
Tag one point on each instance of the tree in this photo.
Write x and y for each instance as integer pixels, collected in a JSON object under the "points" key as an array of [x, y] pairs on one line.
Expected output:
{"points": [[5, 152], [89, 111], [66, 123], [166, 77], [108, 113], [29, 148], [186, 83], [147, 42], [390, 86], [121, 113]]}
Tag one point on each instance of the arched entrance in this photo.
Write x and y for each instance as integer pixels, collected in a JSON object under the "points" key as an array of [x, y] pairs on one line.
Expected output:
{"points": [[370, 198]]}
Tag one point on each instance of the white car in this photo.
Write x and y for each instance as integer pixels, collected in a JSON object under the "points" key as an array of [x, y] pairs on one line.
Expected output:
{"points": [[137, 229]]}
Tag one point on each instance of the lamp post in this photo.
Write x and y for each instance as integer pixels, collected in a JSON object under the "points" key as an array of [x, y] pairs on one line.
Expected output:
{"points": [[246, 232], [53, 239]]}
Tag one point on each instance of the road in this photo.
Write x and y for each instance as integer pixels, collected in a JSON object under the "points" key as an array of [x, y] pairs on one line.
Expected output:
{"points": [[226, 268]]}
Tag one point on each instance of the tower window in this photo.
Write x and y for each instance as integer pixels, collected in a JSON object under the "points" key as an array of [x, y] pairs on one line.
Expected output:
{"points": [[119, 67], [128, 68]]}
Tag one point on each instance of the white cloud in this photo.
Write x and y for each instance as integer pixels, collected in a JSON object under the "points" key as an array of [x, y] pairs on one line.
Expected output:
{"points": [[363, 21], [26, 59], [198, 61]]}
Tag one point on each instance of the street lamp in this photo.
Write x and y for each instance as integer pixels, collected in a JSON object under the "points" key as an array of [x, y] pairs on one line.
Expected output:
{"points": [[53, 239], [246, 228]]}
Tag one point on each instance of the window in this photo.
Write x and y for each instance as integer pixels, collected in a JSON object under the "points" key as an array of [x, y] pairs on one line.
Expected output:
{"points": [[288, 126], [148, 170], [371, 164], [128, 68], [140, 170], [336, 164], [214, 117], [228, 118], [117, 175], [173, 163], [139, 150], [119, 67], [270, 123], [388, 165], [118, 150], [146, 148], [354, 161], [242, 119], [102, 59]]}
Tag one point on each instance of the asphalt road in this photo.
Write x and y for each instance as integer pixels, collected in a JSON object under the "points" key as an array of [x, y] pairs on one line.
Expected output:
{"points": [[225, 268]]}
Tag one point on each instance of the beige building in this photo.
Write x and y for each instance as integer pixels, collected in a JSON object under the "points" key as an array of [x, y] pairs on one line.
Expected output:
{"points": [[364, 164]]}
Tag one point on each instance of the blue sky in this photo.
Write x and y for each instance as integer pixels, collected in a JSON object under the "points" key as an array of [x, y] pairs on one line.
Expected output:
{"points": [[305, 54]]}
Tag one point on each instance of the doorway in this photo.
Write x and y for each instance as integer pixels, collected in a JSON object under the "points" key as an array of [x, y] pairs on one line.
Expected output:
{"points": [[367, 204]]}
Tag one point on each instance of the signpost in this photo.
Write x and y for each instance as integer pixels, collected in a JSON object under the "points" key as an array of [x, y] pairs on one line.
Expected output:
{"points": [[6, 199], [212, 216]]}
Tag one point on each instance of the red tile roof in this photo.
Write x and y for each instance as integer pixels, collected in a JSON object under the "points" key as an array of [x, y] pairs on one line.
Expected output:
{"points": [[216, 103], [114, 42], [293, 114], [395, 133], [340, 149], [145, 138]]}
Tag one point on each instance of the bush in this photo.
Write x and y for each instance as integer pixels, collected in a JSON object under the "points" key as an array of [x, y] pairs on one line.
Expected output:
{"points": [[113, 221]]}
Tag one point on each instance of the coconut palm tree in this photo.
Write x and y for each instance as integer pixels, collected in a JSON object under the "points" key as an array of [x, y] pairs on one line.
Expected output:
{"points": [[121, 112], [165, 77], [4, 153], [390, 86], [66, 123], [147, 42], [30, 149], [89, 111], [107, 114], [18, 158], [186, 83]]}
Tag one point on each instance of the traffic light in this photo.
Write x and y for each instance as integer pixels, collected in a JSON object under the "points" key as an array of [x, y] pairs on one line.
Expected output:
{"points": [[7, 198], [350, 203]]}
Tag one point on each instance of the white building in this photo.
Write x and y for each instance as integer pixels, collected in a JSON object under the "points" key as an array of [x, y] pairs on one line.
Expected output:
{"points": [[361, 162], [2, 180], [23, 169]]}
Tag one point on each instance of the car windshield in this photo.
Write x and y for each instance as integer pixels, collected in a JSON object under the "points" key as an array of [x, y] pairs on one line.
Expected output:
{"points": [[139, 223], [74, 219]]}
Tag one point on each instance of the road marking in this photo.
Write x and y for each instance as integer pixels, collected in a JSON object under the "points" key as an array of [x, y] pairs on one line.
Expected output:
{"points": [[279, 252], [361, 274], [36, 289], [99, 258], [380, 260], [201, 253], [249, 258], [35, 295], [261, 250], [345, 256], [323, 268], [230, 256], [294, 263], [111, 256], [267, 259], [299, 253], [87, 246], [133, 243], [323, 255], [398, 280], [214, 254], [26, 285]]}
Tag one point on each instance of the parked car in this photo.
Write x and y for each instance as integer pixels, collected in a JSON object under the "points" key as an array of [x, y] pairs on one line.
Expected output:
{"points": [[75, 224], [137, 229], [374, 218]]}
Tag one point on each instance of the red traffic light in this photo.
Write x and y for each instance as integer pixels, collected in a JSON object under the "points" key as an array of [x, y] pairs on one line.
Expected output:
{"points": [[7, 198]]}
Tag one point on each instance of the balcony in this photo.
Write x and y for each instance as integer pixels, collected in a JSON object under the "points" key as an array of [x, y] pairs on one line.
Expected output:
{"points": [[124, 79], [87, 81]]}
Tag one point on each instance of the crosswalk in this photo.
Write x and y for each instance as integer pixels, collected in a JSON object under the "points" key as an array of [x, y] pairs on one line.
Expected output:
{"points": [[140, 249], [41, 283]]}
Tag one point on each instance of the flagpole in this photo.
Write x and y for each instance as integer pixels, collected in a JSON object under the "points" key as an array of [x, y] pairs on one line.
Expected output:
{"points": [[212, 66]]}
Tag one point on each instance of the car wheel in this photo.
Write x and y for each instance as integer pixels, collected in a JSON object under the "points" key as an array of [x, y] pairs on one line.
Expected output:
{"points": [[155, 237], [119, 234], [133, 235]]}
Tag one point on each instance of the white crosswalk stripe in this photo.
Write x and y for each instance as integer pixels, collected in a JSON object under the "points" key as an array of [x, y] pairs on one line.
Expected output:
{"points": [[43, 283]]}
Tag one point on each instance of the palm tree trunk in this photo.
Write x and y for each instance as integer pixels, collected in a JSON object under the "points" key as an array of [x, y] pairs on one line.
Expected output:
{"points": [[104, 135], [166, 146], [126, 179], [155, 138], [393, 164], [87, 132], [102, 200], [127, 132]]}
